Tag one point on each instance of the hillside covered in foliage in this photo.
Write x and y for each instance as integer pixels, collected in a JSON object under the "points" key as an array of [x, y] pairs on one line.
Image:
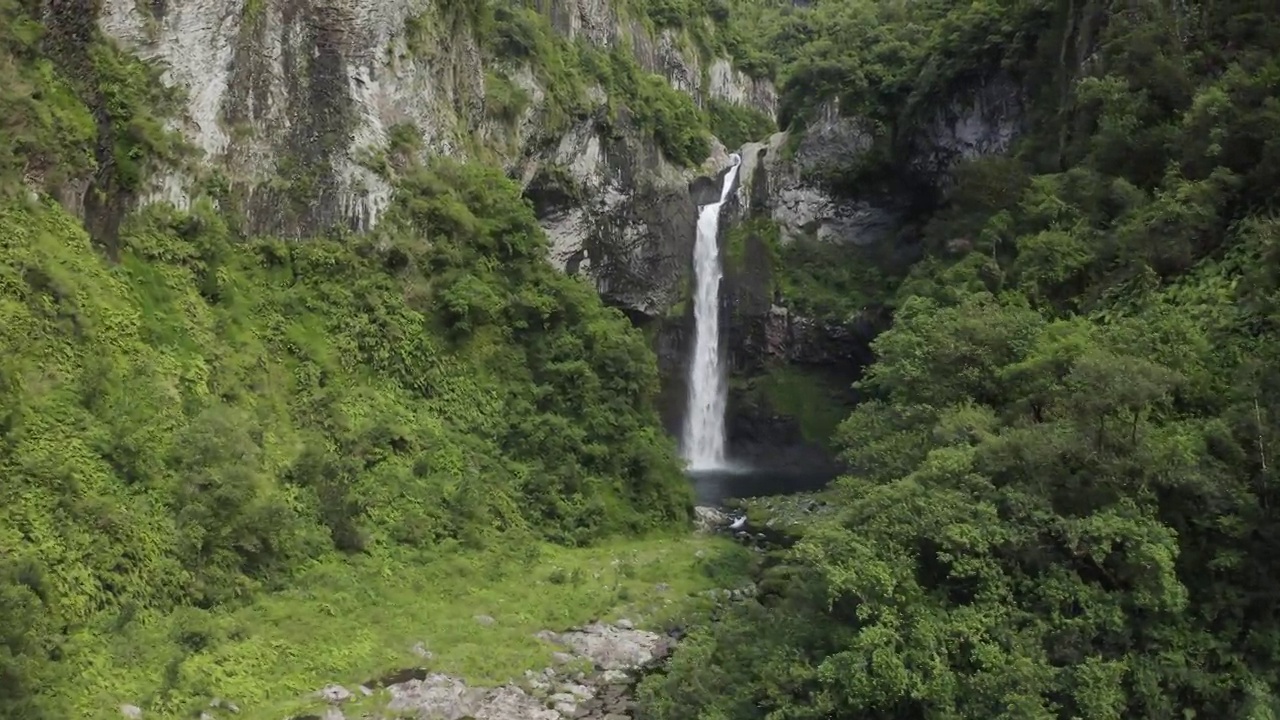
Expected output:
{"points": [[1063, 489], [189, 418], [1062, 480]]}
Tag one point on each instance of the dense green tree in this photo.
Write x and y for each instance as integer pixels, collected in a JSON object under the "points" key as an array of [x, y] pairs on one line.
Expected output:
{"points": [[1060, 491]]}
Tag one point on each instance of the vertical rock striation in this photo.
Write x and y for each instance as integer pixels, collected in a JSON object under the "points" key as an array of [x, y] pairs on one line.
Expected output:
{"points": [[290, 99]]}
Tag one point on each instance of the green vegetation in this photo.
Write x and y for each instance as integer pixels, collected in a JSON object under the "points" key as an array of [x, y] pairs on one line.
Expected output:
{"points": [[737, 125], [829, 281], [817, 401], [73, 103], [521, 33], [244, 467], [754, 244], [1061, 498], [196, 424], [240, 411], [677, 125], [504, 99], [356, 619], [819, 279], [223, 454]]}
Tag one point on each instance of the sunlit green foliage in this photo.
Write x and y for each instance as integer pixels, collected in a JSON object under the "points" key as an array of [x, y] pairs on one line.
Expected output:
{"points": [[194, 424], [522, 33], [566, 68], [73, 103], [191, 422], [353, 619], [737, 125], [676, 123]]}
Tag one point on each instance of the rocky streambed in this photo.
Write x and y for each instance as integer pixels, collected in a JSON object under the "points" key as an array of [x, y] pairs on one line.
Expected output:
{"points": [[596, 668], [593, 673]]}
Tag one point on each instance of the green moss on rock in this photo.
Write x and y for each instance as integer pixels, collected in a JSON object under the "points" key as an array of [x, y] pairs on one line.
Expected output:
{"points": [[737, 125], [818, 402]]}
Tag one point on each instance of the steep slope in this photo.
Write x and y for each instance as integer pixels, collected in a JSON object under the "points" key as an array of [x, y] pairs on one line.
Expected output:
{"points": [[201, 419], [599, 109], [192, 413]]}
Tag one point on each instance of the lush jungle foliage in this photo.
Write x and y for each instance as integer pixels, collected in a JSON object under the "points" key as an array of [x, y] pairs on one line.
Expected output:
{"points": [[193, 418], [1063, 492]]}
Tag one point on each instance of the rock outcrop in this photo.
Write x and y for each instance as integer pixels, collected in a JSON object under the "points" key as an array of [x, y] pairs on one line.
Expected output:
{"points": [[793, 189], [617, 211], [292, 101], [593, 680], [787, 182]]}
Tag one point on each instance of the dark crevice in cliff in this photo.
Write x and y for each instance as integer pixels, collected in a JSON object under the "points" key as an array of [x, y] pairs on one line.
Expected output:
{"points": [[305, 196], [72, 30]]}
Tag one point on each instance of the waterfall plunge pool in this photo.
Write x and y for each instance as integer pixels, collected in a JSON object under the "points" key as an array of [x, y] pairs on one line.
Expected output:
{"points": [[715, 487]]}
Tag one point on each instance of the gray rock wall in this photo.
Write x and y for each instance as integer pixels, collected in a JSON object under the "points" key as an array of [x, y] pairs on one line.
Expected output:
{"points": [[785, 181], [286, 98]]}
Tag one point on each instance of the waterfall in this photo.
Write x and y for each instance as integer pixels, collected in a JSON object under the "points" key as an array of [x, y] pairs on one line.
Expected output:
{"points": [[703, 441]]}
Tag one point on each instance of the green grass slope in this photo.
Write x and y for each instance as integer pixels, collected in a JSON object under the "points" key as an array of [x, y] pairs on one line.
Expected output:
{"points": [[198, 422], [244, 467]]}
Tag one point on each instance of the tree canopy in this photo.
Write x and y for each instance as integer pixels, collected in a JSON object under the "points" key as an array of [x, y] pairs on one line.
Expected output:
{"points": [[1062, 486]]}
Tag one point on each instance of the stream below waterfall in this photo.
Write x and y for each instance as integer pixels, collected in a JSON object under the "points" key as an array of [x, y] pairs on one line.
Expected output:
{"points": [[715, 487]]}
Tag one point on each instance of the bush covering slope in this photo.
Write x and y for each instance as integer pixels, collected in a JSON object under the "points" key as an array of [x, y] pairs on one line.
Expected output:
{"points": [[198, 421], [1063, 488], [189, 418]]}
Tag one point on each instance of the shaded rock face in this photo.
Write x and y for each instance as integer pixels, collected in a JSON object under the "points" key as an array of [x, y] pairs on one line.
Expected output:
{"points": [[983, 122], [617, 212], [289, 99], [793, 191], [621, 219], [786, 182]]}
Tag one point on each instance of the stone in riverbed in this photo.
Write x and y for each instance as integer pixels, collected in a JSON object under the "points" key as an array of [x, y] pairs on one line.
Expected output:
{"points": [[708, 519], [614, 648], [579, 692], [449, 698], [614, 677], [335, 693]]}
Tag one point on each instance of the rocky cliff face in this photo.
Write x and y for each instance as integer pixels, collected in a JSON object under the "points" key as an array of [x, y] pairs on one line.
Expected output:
{"points": [[289, 100], [786, 182], [793, 191], [785, 196], [293, 101]]}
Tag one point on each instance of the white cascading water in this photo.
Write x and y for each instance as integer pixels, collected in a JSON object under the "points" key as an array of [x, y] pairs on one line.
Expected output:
{"points": [[704, 420]]}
